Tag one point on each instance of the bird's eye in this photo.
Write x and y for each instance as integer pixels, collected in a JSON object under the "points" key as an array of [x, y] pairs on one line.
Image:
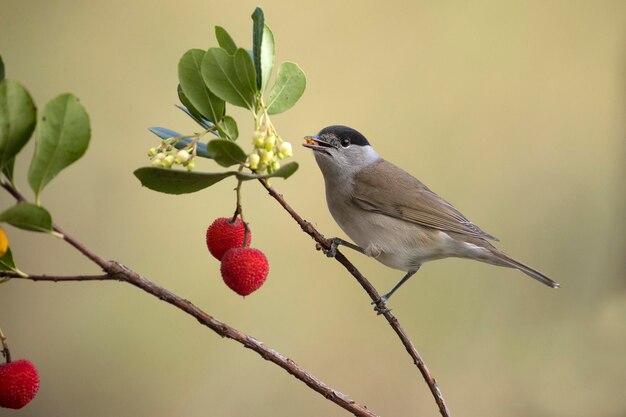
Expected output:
{"points": [[345, 142]]}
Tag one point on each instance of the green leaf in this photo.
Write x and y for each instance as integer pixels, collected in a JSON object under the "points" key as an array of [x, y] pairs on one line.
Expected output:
{"points": [[225, 41], [226, 152], [1, 68], [28, 216], [6, 262], [262, 49], [171, 181], [18, 117], [191, 110], [182, 182], [284, 172], [289, 86], [228, 126], [267, 57], [8, 168], [190, 77], [62, 138], [245, 72], [222, 78], [258, 19]]}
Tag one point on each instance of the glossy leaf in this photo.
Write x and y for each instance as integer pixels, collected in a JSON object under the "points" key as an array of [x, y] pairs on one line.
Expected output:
{"points": [[228, 126], [194, 88], [62, 138], [262, 49], [267, 57], [6, 262], [221, 76], [181, 182], [245, 72], [165, 133], [8, 168], [191, 111], [226, 152], [201, 121], [288, 88], [258, 19], [225, 41], [18, 117], [284, 172], [27, 216], [171, 181]]}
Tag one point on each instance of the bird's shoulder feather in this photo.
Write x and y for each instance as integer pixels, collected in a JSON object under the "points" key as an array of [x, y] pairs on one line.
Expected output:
{"points": [[409, 199]]}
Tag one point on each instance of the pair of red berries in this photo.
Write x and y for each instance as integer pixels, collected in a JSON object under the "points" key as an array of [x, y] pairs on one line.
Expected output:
{"points": [[243, 269], [19, 383]]}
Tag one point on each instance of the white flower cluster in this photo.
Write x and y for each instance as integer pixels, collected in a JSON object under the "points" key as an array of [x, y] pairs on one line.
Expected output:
{"points": [[268, 150], [166, 156]]}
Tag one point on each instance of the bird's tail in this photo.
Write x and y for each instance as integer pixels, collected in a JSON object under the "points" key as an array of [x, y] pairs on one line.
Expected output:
{"points": [[505, 260]]}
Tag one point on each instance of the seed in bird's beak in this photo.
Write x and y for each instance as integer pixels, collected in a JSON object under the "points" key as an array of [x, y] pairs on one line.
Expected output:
{"points": [[310, 140]]}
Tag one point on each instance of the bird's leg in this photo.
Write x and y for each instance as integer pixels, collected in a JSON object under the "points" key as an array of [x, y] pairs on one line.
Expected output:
{"points": [[334, 244], [386, 297]]}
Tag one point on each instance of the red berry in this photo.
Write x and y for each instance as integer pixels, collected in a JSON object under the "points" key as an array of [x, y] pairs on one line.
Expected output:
{"points": [[244, 270], [223, 235], [19, 383]]}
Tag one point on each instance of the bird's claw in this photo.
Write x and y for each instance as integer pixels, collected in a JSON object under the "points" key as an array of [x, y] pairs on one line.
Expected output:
{"points": [[332, 252], [380, 307]]}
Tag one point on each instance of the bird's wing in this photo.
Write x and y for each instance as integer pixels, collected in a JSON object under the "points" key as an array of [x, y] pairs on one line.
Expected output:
{"points": [[415, 202]]}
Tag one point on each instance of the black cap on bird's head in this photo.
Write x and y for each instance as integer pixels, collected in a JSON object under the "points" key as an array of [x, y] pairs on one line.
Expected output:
{"points": [[344, 135]]}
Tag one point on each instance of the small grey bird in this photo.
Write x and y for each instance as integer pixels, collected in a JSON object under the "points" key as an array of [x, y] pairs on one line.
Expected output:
{"points": [[392, 216]]}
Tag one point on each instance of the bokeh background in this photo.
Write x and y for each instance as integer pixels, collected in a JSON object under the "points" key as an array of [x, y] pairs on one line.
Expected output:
{"points": [[514, 111]]}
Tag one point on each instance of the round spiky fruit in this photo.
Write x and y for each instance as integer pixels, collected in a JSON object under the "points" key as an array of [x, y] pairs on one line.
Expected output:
{"points": [[244, 270], [19, 383], [223, 234]]}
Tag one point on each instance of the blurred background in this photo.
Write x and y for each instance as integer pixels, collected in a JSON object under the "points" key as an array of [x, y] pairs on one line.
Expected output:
{"points": [[513, 111]]}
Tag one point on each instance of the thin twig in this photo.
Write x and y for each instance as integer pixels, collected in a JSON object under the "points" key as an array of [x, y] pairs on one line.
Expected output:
{"points": [[116, 271], [58, 278], [5, 347], [309, 229]]}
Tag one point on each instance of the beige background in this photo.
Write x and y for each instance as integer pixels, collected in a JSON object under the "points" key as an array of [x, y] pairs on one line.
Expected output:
{"points": [[513, 111]]}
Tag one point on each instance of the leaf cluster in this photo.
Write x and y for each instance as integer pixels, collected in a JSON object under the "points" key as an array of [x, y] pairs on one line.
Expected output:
{"points": [[211, 79], [62, 133]]}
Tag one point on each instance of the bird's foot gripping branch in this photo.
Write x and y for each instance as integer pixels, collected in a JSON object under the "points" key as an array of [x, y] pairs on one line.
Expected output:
{"points": [[208, 82]]}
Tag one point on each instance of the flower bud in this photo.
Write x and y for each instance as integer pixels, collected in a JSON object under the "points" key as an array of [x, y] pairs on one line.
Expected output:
{"points": [[152, 152], [159, 156], [181, 156], [258, 138], [190, 165], [253, 161], [157, 163], [168, 161], [270, 142], [267, 156], [275, 166], [285, 149]]}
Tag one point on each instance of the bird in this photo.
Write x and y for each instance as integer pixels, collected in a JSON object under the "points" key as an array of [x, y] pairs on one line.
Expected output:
{"points": [[392, 216]]}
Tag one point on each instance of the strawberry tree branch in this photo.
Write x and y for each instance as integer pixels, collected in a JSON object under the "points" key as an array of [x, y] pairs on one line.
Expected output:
{"points": [[59, 278], [5, 347], [324, 243], [115, 271]]}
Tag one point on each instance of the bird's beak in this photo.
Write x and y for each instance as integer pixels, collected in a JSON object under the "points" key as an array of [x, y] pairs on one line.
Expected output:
{"points": [[316, 143]]}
